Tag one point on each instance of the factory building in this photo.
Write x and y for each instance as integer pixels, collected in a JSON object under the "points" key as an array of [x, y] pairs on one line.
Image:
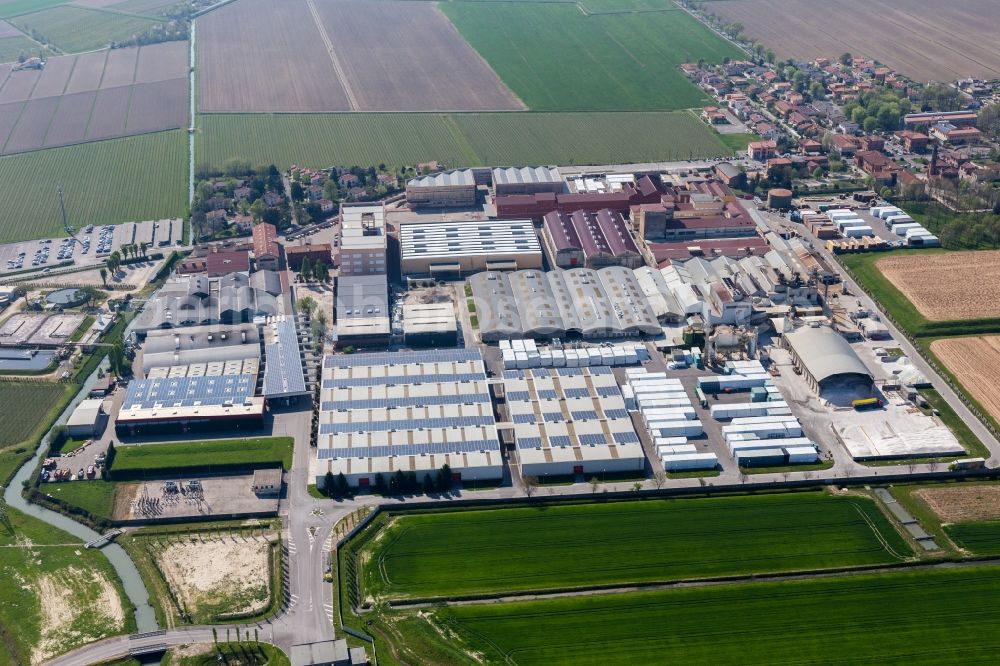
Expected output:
{"points": [[447, 189], [430, 324], [362, 300], [575, 303], [409, 412], [570, 421], [536, 206], [202, 396], [266, 250], [218, 264], [195, 300], [591, 240], [433, 249], [527, 180], [200, 344], [284, 376], [827, 361]]}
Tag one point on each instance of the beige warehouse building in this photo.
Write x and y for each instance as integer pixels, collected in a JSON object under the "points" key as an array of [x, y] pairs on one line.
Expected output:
{"points": [[468, 246], [448, 189]]}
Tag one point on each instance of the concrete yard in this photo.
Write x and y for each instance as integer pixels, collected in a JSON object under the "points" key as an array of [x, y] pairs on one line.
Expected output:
{"points": [[221, 497]]}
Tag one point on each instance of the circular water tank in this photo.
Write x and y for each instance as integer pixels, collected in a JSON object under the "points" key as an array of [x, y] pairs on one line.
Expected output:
{"points": [[67, 298], [779, 198]]}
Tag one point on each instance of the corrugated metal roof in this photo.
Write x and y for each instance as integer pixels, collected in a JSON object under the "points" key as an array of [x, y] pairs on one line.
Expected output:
{"points": [[523, 175], [456, 178]]}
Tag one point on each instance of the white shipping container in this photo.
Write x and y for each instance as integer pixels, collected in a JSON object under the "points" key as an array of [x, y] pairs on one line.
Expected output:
{"points": [[676, 413], [858, 232], [663, 402], [690, 461], [888, 211], [794, 442], [901, 229], [915, 231], [901, 218], [674, 450], [764, 431], [748, 420], [669, 441], [676, 428], [801, 454], [838, 213]]}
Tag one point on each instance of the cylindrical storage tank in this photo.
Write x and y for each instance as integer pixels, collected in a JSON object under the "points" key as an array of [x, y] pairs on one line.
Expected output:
{"points": [[779, 199]]}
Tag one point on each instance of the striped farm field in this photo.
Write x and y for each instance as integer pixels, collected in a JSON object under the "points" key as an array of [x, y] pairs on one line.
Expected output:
{"points": [[106, 182], [74, 29], [935, 617], [449, 554], [457, 139]]}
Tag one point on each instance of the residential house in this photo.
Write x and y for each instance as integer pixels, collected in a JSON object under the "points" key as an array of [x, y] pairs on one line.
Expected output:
{"points": [[844, 144], [762, 150], [273, 199], [913, 142]]}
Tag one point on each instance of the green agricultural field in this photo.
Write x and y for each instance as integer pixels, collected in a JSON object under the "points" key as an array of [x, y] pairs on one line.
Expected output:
{"points": [[979, 538], [555, 58], [472, 139], [76, 29], [56, 594], [12, 47], [506, 550], [15, 7], [108, 182], [934, 617], [97, 497], [29, 409], [188, 457]]}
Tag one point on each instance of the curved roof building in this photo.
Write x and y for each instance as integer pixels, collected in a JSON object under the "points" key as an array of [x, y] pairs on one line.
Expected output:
{"points": [[826, 359]]}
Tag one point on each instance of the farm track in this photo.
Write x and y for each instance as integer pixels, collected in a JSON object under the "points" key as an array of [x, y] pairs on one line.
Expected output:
{"points": [[338, 68]]}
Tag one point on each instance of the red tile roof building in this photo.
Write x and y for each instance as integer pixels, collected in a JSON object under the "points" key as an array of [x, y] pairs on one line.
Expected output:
{"points": [[318, 252], [224, 263], [266, 251], [591, 240]]}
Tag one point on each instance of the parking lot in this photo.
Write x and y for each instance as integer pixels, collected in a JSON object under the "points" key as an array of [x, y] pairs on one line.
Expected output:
{"points": [[91, 245]]}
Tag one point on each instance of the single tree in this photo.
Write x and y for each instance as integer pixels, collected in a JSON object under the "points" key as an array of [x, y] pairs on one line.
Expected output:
{"points": [[328, 484], [343, 488], [659, 478], [20, 291], [530, 485], [104, 276], [594, 483]]}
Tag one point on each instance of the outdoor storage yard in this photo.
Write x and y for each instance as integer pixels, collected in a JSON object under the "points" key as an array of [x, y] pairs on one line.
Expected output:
{"points": [[935, 285], [923, 39], [324, 55], [975, 362], [221, 496], [452, 554], [97, 95]]}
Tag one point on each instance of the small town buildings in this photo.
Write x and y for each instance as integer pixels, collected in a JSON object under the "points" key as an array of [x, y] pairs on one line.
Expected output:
{"points": [[316, 253], [222, 263], [913, 142], [762, 150], [447, 189], [730, 175], [928, 119], [949, 133]]}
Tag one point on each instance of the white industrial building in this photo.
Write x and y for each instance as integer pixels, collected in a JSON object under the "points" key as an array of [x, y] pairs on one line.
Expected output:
{"points": [[521, 354], [406, 411], [447, 189], [527, 180], [724, 290], [456, 248], [570, 421], [87, 419], [200, 344]]}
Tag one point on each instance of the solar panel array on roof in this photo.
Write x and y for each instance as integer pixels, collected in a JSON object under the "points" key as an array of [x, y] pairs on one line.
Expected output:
{"points": [[529, 442], [553, 417], [188, 391], [518, 395], [547, 394], [584, 414], [407, 424], [408, 401], [626, 437], [402, 358], [430, 448], [560, 440], [513, 374], [608, 391], [401, 380], [593, 439], [283, 373], [616, 413], [577, 392], [523, 418]]}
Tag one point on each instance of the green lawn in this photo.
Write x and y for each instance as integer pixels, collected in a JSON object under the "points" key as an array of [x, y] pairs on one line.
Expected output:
{"points": [[97, 497], [738, 142], [12, 47], [107, 182], [908, 618], [14, 7], [462, 139], [557, 59], [979, 538], [189, 457], [499, 550], [74, 29], [56, 595]]}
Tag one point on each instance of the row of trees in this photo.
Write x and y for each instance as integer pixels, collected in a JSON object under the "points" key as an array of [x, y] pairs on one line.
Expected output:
{"points": [[314, 271], [398, 483]]}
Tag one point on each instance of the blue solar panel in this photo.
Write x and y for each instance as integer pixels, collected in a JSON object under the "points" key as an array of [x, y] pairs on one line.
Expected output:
{"points": [[593, 438], [400, 380], [569, 372], [626, 437], [407, 424], [600, 370], [524, 418], [529, 442], [397, 358], [608, 391], [409, 401], [584, 414], [189, 391], [409, 449], [547, 394], [513, 374], [518, 395], [283, 372], [553, 417], [577, 393], [559, 440], [616, 413]]}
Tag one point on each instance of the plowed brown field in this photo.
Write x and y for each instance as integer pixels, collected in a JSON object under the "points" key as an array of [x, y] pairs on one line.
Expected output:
{"points": [[948, 286], [924, 39], [976, 364]]}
